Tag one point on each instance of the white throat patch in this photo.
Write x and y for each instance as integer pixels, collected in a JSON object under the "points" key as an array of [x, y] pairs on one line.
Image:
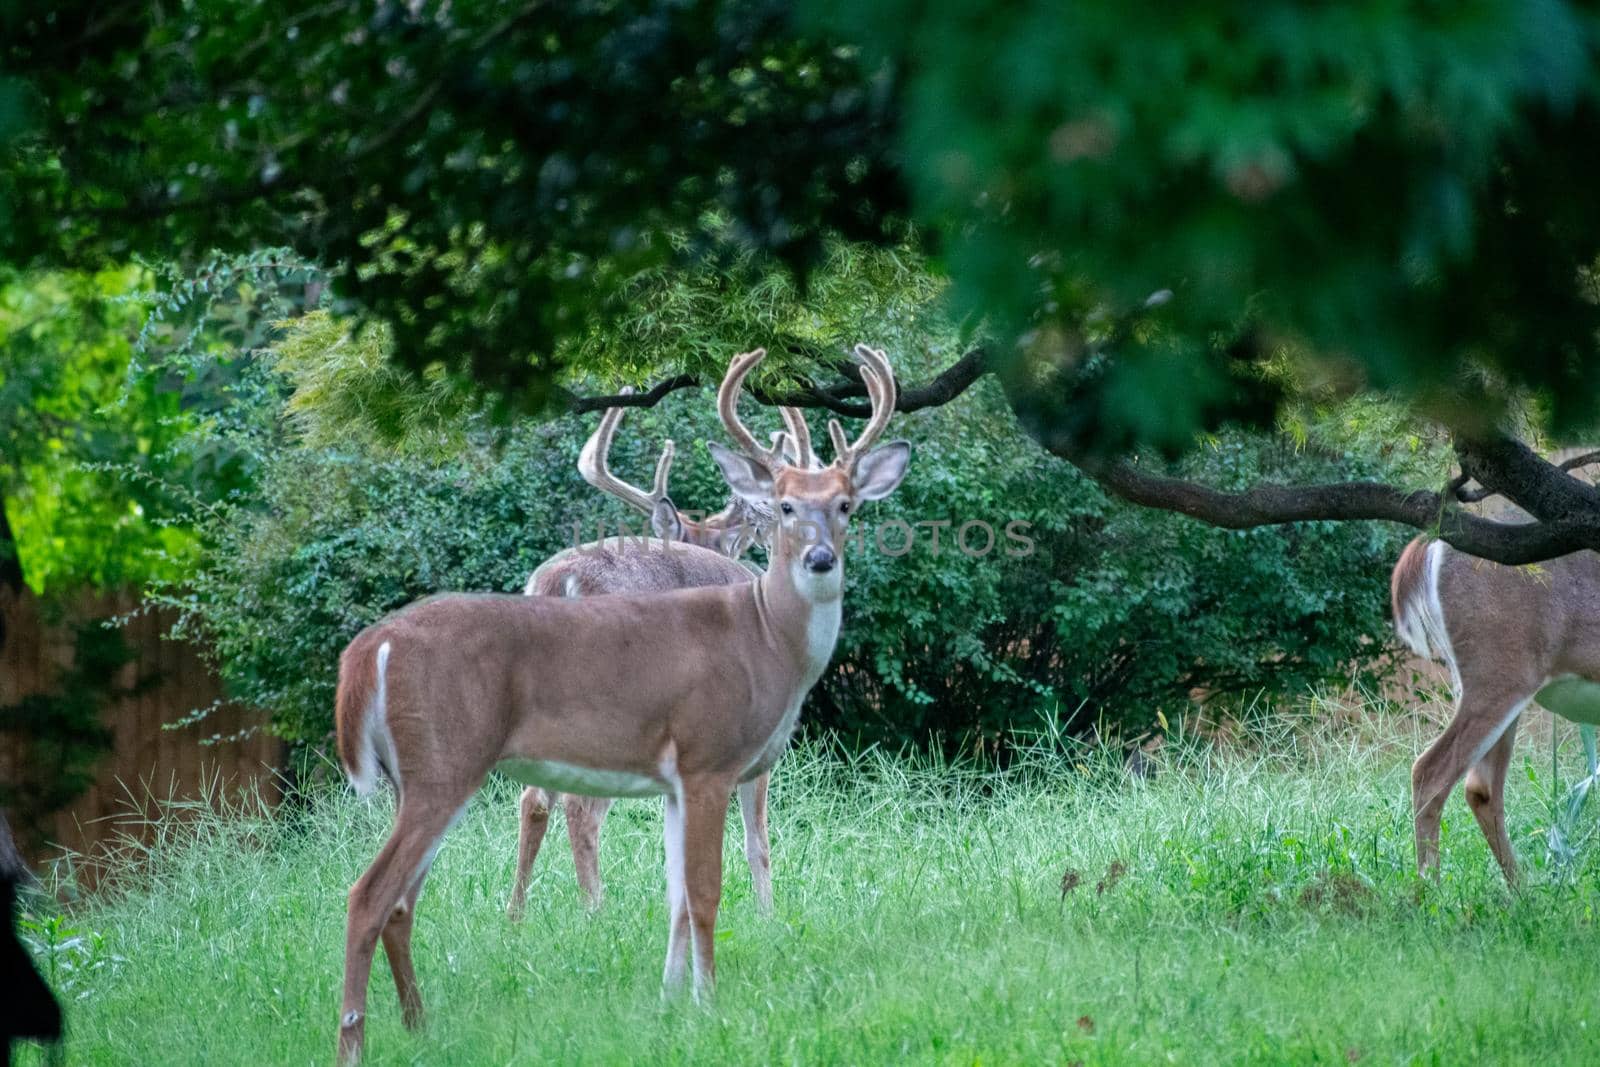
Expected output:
{"points": [[822, 633]]}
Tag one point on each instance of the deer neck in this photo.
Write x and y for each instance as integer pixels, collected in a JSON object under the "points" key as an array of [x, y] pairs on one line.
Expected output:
{"points": [[800, 612]]}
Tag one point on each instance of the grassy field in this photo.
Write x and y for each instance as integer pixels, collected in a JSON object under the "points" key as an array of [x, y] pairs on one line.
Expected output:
{"points": [[1253, 903]]}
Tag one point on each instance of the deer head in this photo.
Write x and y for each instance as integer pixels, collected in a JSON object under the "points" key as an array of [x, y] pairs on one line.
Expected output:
{"points": [[730, 531], [812, 504]]}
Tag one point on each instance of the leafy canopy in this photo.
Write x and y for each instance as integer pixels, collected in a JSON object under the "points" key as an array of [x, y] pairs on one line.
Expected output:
{"points": [[1404, 190], [85, 460], [490, 176], [1083, 609]]}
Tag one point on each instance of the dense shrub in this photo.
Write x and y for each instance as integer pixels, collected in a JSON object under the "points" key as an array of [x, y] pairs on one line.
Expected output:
{"points": [[1117, 614]]}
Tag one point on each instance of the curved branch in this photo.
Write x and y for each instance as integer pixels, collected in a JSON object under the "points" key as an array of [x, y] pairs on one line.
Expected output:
{"points": [[1575, 462], [1505, 466], [1569, 519], [1272, 505], [838, 398], [582, 405], [936, 392]]}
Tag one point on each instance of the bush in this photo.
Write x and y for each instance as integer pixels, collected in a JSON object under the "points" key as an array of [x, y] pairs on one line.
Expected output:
{"points": [[1117, 614]]}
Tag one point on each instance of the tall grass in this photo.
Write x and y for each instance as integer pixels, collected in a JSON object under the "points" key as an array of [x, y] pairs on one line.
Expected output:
{"points": [[1252, 902]]}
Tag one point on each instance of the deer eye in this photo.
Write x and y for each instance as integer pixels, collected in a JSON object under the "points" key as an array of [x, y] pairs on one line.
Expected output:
{"points": [[844, 508], [788, 508]]}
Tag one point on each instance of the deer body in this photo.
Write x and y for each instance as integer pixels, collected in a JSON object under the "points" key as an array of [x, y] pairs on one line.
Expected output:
{"points": [[677, 558], [443, 691], [687, 693], [624, 565], [605, 569], [1509, 636], [551, 726]]}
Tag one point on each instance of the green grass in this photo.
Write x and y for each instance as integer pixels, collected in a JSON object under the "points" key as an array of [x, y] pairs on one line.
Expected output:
{"points": [[1267, 913]]}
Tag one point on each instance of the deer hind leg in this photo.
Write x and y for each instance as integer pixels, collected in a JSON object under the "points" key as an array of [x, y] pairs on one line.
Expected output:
{"points": [[1486, 796], [533, 818], [1483, 715], [584, 817], [757, 851], [374, 898], [397, 947], [705, 814]]}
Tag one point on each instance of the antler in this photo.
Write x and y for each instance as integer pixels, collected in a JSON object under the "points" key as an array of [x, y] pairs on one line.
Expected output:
{"points": [[592, 465], [728, 409], [881, 391]]}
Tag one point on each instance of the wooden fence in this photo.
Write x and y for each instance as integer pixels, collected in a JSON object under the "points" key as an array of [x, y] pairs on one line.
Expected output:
{"points": [[146, 764]]}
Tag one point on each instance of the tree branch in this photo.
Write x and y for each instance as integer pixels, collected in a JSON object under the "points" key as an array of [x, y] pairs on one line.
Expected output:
{"points": [[1508, 467], [938, 391], [582, 405], [838, 398], [1568, 511], [1272, 505], [1583, 460]]}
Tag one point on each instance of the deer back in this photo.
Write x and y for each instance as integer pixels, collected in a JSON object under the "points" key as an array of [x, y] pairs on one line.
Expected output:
{"points": [[634, 565]]}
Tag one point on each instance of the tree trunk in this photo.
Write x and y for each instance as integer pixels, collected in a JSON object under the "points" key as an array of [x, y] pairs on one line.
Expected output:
{"points": [[10, 569]]}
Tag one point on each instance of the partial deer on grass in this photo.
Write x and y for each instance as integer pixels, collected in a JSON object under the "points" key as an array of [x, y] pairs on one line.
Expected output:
{"points": [[684, 694], [627, 565], [1509, 636]]}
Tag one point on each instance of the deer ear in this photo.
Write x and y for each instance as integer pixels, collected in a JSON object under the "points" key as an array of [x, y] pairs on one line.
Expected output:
{"points": [[665, 521], [878, 473], [747, 477], [733, 541]]}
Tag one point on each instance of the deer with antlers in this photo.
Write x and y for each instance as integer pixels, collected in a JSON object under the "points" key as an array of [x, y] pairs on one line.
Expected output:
{"points": [[1509, 636], [596, 569], [684, 694]]}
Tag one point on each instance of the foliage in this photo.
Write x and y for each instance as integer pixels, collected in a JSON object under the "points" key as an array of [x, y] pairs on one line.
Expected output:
{"points": [[108, 384], [68, 412], [488, 176], [105, 381], [1267, 913], [1117, 615], [1401, 190]]}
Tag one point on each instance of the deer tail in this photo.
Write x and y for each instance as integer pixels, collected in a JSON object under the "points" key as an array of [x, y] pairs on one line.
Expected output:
{"points": [[1414, 593], [361, 714]]}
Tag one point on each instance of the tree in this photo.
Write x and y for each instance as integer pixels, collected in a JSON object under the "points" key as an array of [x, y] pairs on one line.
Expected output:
{"points": [[69, 413], [1340, 198], [1028, 597]]}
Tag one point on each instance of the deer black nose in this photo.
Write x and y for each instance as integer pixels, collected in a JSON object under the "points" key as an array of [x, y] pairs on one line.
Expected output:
{"points": [[819, 559]]}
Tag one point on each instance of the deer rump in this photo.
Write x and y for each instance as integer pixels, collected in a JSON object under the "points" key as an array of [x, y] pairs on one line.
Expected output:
{"points": [[1544, 614]]}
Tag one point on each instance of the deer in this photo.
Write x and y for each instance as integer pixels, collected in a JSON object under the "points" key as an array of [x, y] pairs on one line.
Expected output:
{"points": [[596, 569], [684, 694], [1509, 636]]}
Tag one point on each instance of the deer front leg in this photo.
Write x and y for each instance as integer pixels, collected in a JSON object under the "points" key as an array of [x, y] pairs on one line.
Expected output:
{"points": [[705, 814], [1482, 716], [677, 898], [533, 819], [757, 852], [1486, 795], [584, 817]]}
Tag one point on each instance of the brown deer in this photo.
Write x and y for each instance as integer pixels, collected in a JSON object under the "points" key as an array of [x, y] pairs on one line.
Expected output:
{"points": [[684, 694], [1509, 636], [634, 566]]}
